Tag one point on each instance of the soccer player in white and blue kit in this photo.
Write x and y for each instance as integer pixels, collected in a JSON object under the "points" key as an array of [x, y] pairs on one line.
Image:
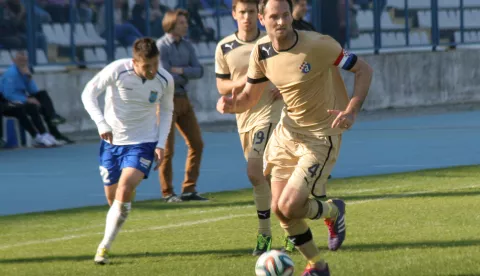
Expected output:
{"points": [[134, 129]]}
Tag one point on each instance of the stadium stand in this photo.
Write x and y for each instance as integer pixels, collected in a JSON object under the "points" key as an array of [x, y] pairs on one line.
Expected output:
{"points": [[89, 42]]}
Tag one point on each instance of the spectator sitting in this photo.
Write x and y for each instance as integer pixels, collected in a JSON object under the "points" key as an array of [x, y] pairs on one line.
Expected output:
{"points": [[14, 12], [11, 32], [84, 12], [59, 10], [157, 11], [299, 11], [198, 31], [18, 88], [125, 32], [41, 15], [33, 125]]}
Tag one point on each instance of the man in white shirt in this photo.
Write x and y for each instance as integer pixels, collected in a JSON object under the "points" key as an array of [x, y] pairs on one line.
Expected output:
{"points": [[133, 135]]}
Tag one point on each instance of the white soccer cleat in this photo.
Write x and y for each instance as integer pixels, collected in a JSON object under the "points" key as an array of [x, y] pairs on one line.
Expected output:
{"points": [[102, 256]]}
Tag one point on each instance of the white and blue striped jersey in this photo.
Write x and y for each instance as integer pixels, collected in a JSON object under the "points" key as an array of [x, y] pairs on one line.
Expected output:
{"points": [[131, 104]]}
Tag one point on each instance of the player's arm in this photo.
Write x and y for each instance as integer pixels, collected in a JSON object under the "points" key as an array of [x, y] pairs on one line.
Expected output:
{"points": [[93, 89], [240, 103], [363, 78], [256, 84], [225, 84], [166, 112], [164, 125]]}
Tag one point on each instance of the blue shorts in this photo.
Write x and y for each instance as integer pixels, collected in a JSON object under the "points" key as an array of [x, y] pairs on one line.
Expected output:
{"points": [[114, 158]]}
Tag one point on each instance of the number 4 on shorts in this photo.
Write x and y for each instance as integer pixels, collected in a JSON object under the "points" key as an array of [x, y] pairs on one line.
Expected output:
{"points": [[313, 170]]}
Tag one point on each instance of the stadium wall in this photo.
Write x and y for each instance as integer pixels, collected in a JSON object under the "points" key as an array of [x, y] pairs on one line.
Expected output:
{"points": [[400, 80]]}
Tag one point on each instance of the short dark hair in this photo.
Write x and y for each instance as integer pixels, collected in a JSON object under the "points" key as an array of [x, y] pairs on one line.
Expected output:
{"points": [[235, 2], [170, 19], [145, 48], [263, 3]]}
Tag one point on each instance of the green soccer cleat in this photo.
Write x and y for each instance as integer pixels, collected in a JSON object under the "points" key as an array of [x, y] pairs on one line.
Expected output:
{"points": [[288, 246], [101, 257], [264, 244]]}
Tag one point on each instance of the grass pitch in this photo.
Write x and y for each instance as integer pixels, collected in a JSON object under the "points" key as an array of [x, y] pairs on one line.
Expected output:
{"points": [[419, 223]]}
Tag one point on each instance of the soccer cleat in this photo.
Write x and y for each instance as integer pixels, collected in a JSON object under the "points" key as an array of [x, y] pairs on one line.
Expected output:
{"points": [[264, 244], [288, 246], [101, 257], [312, 271], [337, 228]]}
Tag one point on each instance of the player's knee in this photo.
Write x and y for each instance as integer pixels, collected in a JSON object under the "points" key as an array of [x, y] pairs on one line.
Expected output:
{"points": [[287, 207], [274, 209], [125, 190]]}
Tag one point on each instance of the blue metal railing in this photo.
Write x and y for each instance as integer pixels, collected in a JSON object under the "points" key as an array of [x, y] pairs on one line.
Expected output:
{"points": [[73, 54]]}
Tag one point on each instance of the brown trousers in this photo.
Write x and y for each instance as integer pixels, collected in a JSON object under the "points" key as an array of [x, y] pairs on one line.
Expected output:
{"points": [[186, 122]]}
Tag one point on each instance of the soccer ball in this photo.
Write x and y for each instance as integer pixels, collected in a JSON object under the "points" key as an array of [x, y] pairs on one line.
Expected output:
{"points": [[274, 263]]}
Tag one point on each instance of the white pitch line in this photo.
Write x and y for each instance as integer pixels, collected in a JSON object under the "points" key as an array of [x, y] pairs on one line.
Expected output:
{"points": [[204, 221], [400, 166], [171, 214], [162, 227]]}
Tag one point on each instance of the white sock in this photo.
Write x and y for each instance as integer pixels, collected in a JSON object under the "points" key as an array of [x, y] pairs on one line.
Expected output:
{"points": [[116, 216]]}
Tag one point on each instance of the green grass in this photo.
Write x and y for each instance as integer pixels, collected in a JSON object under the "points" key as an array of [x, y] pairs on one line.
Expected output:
{"points": [[420, 223]]}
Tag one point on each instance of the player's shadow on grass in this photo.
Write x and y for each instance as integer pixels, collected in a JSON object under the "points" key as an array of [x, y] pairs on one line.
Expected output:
{"points": [[158, 205], [121, 258], [411, 195], [400, 245], [239, 252]]}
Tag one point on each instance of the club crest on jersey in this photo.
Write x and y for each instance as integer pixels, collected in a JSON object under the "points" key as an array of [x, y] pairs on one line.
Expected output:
{"points": [[305, 67], [153, 96]]}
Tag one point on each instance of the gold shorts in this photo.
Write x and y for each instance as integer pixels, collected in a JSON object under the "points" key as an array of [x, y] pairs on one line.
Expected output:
{"points": [[255, 141], [305, 161]]}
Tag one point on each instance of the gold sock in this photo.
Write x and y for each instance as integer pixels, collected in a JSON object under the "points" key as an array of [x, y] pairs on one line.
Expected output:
{"points": [[330, 210], [263, 198], [310, 251]]}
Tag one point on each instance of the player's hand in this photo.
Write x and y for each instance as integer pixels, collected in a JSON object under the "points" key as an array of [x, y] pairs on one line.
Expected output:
{"points": [[107, 136], [159, 154], [177, 70], [33, 101], [343, 120], [276, 94], [226, 104]]}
